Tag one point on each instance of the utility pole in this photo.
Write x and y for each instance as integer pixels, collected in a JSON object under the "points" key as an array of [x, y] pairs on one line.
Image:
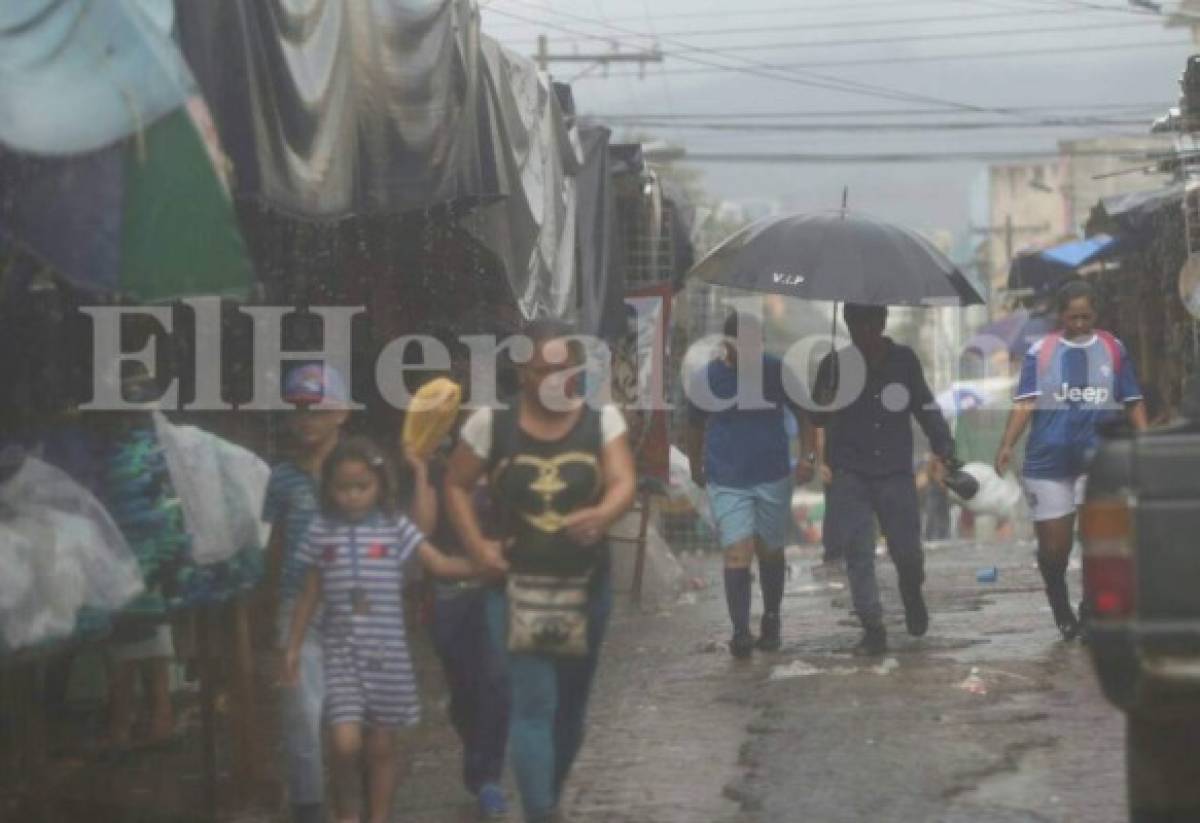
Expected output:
{"points": [[544, 58], [1009, 231]]}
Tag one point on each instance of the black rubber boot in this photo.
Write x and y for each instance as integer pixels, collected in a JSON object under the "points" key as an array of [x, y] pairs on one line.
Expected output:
{"points": [[770, 639], [916, 615], [1054, 575], [873, 642]]}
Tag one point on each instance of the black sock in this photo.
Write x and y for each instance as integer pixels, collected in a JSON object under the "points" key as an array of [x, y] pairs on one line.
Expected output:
{"points": [[737, 597], [772, 570]]}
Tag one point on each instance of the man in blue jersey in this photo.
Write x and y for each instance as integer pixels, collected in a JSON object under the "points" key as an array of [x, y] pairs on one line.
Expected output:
{"points": [[741, 453], [1072, 381]]}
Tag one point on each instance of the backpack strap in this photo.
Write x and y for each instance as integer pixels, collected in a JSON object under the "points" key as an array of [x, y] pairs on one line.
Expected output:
{"points": [[1045, 356], [1115, 354], [504, 437]]}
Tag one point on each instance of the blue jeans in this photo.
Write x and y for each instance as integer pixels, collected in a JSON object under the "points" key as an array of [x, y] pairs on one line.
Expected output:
{"points": [[549, 702], [477, 682], [301, 709], [852, 504]]}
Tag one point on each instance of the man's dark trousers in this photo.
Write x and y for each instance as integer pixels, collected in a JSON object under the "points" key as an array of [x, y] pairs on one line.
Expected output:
{"points": [[853, 503], [479, 693]]}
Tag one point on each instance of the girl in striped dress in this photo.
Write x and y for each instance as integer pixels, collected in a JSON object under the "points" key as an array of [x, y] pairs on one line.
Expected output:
{"points": [[355, 552]]}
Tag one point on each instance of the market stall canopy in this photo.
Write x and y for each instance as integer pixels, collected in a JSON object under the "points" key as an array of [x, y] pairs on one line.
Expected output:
{"points": [[1044, 271], [76, 76], [124, 193], [330, 108], [1133, 212]]}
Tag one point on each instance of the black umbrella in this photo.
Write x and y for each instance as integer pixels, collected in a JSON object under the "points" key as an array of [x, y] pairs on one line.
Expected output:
{"points": [[838, 256]]}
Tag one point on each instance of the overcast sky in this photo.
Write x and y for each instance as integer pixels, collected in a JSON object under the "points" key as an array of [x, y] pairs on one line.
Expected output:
{"points": [[970, 61]]}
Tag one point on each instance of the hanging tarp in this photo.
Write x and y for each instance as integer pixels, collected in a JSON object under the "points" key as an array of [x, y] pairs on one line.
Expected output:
{"points": [[601, 278], [1133, 213], [533, 229], [79, 75], [330, 107], [1044, 271]]}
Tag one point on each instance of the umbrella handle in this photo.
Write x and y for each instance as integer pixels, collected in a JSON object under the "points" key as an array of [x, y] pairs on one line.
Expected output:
{"points": [[834, 365]]}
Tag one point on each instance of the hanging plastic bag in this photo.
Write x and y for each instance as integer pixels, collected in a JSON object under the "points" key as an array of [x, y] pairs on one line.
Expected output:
{"points": [[53, 563], [221, 487], [996, 495], [105, 558]]}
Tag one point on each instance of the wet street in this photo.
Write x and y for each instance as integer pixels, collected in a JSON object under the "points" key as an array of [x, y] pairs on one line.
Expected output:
{"points": [[988, 718]]}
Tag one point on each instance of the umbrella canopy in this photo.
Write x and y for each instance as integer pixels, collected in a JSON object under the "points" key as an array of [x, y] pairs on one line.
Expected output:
{"points": [[147, 218], [840, 256], [76, 76], [110, 172]]}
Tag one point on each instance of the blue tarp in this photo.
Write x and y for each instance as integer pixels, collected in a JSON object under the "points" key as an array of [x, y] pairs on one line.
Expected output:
{"points": [[1082, 252], [80, 75], [1045, 270]]}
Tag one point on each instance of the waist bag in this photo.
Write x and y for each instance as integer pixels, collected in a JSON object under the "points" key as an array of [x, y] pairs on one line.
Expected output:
{"points": [[548, 614]]}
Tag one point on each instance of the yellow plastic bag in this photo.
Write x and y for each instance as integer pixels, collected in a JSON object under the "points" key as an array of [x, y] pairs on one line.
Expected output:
{"points": [[431, 417]]}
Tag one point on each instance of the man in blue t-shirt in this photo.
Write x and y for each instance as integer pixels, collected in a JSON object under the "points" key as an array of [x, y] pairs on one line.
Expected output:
{"points": [[739, 449]]}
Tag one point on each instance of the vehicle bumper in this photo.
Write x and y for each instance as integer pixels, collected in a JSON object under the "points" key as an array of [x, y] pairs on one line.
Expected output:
{"points": [[1147, 668]]}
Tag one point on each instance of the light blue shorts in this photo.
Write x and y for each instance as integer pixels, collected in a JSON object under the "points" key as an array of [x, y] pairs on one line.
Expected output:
{"points": [[764, 511]]}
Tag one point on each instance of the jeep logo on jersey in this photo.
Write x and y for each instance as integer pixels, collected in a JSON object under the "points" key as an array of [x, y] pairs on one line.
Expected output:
{"points": [[787, 279], [1076, 394]]}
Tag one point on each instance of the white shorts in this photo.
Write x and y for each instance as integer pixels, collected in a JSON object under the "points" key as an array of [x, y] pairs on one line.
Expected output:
{"points": [[1052, 499]]}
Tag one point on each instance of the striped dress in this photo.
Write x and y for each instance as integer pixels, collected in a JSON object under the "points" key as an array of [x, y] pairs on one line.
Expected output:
{"points": [[368, 674]]}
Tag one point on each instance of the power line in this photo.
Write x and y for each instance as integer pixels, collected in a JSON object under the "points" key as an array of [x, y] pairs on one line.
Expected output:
{"points": [[757, 69], [938, 58], [803, 158], [792, 8], [916, 38], [864, 126], [843, 24], [724, 114]]}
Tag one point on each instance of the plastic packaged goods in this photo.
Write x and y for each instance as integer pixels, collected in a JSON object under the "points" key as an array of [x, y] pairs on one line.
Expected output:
{"points": [[63, 561]]}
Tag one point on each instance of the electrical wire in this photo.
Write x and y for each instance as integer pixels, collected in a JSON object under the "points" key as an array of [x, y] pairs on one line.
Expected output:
{"points": [[842, 24], [866, 127], [725, 114], [802, 158], [938, 58], [753, 68], [919, 38]]}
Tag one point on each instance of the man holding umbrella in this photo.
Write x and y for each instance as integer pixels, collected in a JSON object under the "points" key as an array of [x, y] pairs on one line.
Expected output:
{"points": [[741, 452], [870, 452], [869, 264]]}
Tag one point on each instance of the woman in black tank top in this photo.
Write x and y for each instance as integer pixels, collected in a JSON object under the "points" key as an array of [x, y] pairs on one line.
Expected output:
{"points": [[559, 484]]}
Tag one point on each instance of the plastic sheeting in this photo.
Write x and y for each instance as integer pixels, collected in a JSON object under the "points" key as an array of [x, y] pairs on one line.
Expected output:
{"points": [[330, 107], [533, 229], [76, 76], [59, 551], [221, 487], [601, 277]]}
